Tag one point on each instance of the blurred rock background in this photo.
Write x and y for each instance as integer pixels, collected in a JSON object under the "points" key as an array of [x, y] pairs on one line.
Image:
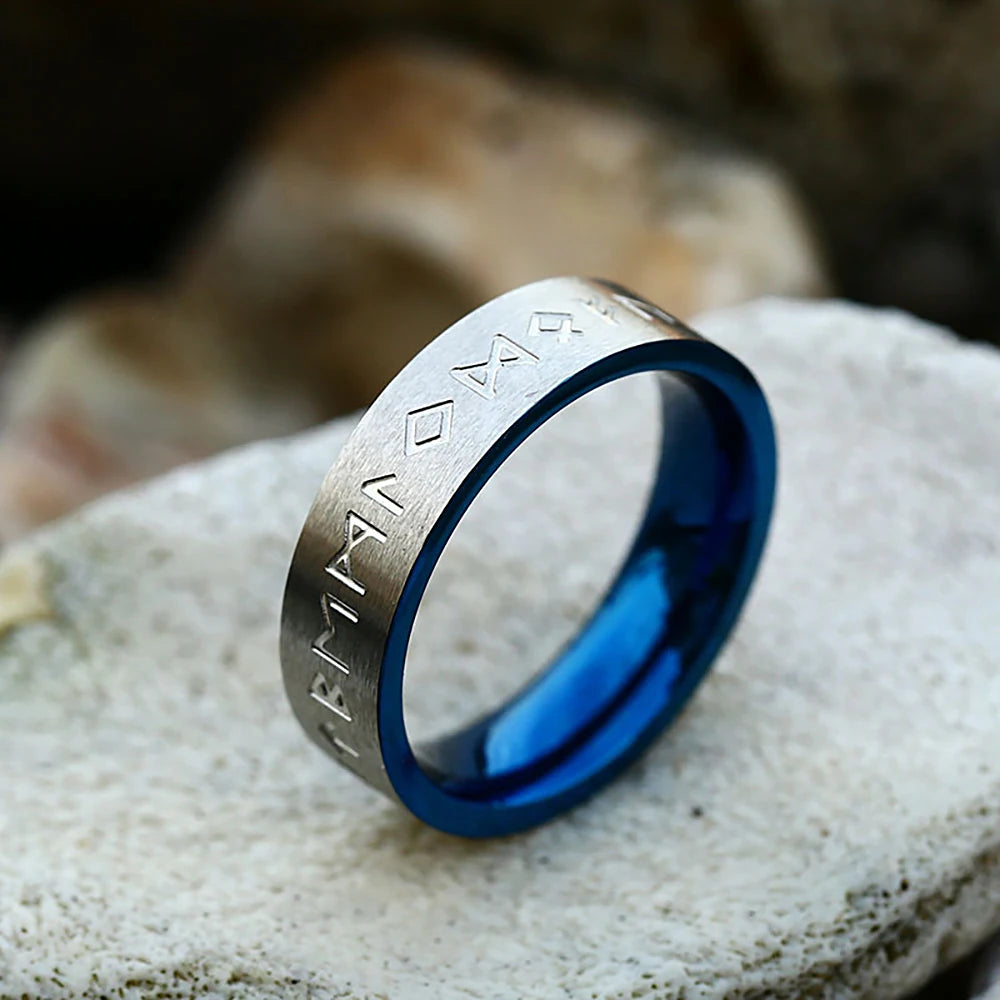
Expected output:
{"points": [[231, 220], [208, 208], [405, 182], [121, 119]]}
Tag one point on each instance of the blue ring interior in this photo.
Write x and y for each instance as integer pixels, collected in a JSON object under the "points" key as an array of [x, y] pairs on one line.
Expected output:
{"points": [[652, 638]]}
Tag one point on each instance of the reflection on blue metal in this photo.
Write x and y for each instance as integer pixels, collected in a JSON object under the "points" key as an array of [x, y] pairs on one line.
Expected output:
{"points": [[657, 631]]}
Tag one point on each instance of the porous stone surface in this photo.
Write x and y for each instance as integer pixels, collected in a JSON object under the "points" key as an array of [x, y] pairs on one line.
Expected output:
{"points": [[823, 821]]}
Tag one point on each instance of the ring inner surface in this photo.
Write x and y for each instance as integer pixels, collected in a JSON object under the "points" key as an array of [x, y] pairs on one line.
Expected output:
{"points": [[651, 637]]}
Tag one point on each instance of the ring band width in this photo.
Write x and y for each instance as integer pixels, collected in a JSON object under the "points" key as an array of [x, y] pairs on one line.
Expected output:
{"points": [[410, 469]]}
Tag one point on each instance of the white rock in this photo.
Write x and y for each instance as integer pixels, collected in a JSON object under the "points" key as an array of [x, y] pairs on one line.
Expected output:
{"points": [[823, 821]]}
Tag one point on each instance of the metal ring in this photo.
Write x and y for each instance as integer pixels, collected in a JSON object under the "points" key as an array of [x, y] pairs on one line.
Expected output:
{"points": [[410, 469]]}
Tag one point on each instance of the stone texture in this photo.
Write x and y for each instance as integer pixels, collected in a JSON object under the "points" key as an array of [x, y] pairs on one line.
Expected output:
{"points": [[822, 822], [23, 588]]}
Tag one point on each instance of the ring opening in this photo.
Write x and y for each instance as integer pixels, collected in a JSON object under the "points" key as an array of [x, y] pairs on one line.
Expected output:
{"points": [[652, 635]]}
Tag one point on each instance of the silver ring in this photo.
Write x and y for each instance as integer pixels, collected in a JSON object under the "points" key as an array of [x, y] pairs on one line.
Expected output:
{"points": [[410, 469]]}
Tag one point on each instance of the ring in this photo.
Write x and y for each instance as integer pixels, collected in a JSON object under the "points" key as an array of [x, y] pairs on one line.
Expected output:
{"points": [[412, 467]]}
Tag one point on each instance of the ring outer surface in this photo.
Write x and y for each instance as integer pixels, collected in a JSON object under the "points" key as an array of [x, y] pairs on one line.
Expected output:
{"points": [[408, 471]]}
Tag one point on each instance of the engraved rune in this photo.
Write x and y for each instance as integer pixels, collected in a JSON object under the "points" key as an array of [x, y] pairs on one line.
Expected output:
{"points": [[329, 733], [645, 310], [333, 603], [329, 696], [356, 530], [606, 311], [558, 323], [481, 378], [372, 488], [319, 648], [428, 426]]}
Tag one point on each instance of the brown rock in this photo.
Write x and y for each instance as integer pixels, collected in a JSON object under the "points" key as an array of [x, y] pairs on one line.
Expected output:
{"points": [[409, 185]]}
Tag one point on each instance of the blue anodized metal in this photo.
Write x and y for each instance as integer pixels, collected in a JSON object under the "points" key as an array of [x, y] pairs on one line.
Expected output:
{"points": [[633, 666]]}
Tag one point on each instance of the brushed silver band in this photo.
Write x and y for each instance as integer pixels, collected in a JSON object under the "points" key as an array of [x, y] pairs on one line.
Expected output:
{"points": [[410, 455]]}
